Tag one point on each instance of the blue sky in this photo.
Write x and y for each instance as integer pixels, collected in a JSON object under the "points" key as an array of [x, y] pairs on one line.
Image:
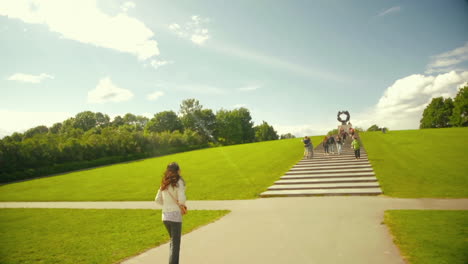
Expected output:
{"points": [[294, 64]]}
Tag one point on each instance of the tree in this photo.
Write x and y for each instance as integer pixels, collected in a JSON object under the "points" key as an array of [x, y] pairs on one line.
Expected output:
{"points": [[164, 121], [374, 128], [287, 136], [243, 115], [195, 118], [437, 114], [35, 131], [265, 132], [102, 120], [333, 132], [85, 120], [55, 128], [459, 116], [118, 121]]}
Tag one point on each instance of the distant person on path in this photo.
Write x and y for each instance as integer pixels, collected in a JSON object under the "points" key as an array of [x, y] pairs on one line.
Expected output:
{"points": [[343, 135], [171, 195], [308, 148], [325, 145], [331, 144], [339, 144], [357, 148]]}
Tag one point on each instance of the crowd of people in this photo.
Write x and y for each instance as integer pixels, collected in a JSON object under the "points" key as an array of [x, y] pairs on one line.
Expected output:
{"points": [[333, 144]]}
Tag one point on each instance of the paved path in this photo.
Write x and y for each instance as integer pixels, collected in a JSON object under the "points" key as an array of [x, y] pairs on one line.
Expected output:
{"points": [[283, 230]]}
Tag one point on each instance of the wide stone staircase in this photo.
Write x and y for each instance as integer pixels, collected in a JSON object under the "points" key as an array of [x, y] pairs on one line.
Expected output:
{"points": [[325, 174]]}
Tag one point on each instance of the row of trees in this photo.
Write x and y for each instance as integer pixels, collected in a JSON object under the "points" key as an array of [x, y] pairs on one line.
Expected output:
{"points": [[91, 139], [447, 112]]}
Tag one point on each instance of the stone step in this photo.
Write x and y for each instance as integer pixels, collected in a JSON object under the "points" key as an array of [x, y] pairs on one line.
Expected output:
{"points": [[292, 193], [338, 166], [323, 155], [335, 170], [331, 158], [344, 185], [326, 180], [327, 161], [312, 165], [327, 175]]}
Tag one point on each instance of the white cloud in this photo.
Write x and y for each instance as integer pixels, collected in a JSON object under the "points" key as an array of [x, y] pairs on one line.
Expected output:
{"points": [[158, 63], [250, 88], [22, 77], [127, 5], [447, 61], [389, 11], [193, 30], [19, 121], [402, 104], [84, 22], [155, 95], [106, 91]]}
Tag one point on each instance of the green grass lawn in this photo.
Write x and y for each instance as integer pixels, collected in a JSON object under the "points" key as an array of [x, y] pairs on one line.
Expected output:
{"points": [[430, 236], [224, 173], [85, 236], [420, 163]]}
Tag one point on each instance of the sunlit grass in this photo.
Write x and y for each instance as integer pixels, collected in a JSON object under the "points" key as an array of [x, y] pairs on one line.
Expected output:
{"points": [[430, 236], [420, 163], [74, 236], [233, 172]]}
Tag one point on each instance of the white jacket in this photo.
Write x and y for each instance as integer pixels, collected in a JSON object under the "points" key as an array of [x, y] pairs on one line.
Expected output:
{"points": [[169, 204]]}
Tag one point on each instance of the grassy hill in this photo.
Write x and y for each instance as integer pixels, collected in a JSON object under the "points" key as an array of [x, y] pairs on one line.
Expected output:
{"points": [[233, 172], [420, 163]]}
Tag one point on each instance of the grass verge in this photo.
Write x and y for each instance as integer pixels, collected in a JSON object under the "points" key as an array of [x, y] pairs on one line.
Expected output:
{"points": [[85, 235], [420, 163], [224, 173], [430, 236]]}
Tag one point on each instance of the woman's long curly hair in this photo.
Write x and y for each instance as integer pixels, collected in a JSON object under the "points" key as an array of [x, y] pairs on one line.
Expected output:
{"points": [[171, 176]]}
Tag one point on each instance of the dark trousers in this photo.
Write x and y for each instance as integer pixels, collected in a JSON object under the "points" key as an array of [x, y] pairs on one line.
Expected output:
{"points": [[175, 232], [357, 153]]}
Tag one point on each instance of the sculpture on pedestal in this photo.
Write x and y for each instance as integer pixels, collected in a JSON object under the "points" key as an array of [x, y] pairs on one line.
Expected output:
{"points": [[343, 122]]}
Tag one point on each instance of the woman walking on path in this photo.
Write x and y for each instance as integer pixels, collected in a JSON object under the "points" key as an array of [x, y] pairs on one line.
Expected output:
{"points": [[331, 144], [357, 148], [339, 144], [308, 148], [325, 145], [171, 195]]}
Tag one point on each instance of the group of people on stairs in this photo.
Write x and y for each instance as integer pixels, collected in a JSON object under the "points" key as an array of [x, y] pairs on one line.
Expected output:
{"points": [[332, 145]]}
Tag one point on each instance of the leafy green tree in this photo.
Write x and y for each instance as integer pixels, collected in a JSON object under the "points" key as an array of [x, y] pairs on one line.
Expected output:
{"points": [[194, 117], [265, 132], [85, 120], [164, 121], [332, 132], [228, 128], [102, 120], [287, 136], [234, 127], [459, 116], [118, 121], [245, 119], [35, 131], [437, 114], [55, 128], [374, 128]]}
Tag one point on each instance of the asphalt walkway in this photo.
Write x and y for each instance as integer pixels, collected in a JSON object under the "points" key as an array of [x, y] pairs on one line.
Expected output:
{"points": [[282, 230]]}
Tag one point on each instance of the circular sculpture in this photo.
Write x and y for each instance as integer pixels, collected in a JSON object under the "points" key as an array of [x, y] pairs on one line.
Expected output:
{"points": [[343, 122]]}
